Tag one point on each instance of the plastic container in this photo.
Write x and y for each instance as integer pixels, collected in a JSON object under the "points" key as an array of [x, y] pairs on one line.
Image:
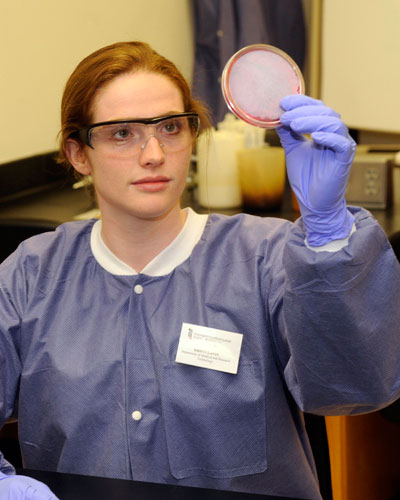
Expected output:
{"points": [[217, 171], [262, 176]]}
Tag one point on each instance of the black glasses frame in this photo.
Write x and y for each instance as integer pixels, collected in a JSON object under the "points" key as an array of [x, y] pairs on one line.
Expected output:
{"points": [[84, 133]]}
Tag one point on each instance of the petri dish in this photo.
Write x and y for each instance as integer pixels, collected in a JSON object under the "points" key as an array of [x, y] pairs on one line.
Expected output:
{"points": [[254, 81]]}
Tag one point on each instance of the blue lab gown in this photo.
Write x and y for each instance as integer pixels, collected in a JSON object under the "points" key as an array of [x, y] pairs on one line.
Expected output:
{"points": [[82, 350]]}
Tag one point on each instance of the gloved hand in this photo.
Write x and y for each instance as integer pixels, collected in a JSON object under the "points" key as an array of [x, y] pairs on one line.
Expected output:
{"points": [[15, 487], [318, 168]]}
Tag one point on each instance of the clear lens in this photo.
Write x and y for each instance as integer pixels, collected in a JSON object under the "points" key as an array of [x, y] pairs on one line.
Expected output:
{"points": [[173, 134]]}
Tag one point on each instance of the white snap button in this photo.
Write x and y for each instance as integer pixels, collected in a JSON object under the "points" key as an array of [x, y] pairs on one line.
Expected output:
{"points": [[138, 289], [137, 415]]}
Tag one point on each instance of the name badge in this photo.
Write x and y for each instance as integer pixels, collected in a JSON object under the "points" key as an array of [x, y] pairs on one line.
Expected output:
{"points": [[209, 348]]}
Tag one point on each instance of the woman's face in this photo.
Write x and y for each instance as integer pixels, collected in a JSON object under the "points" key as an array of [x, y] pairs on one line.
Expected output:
{"points": [[148, 184]]}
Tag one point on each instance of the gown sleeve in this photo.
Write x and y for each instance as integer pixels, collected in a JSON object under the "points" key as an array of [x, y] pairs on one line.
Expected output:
{"points": [[337, 324]]}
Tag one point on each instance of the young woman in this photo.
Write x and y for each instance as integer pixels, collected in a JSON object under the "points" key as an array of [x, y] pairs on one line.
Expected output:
{"points": [[161, 345]]}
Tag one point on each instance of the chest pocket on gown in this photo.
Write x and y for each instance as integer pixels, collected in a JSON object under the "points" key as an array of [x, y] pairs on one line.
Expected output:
{"points": [[215, 422]]}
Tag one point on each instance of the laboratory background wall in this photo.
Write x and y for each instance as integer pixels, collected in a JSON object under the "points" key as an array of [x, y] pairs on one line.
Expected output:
{"points": [[43, 40], [360, 65]]}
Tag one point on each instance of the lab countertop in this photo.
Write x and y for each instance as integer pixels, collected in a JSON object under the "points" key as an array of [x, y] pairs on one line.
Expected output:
{"points": [[64, 204], [54, 207]]}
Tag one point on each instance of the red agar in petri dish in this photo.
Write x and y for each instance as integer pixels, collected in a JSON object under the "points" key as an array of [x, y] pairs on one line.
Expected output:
{"points": [[254, 81]]}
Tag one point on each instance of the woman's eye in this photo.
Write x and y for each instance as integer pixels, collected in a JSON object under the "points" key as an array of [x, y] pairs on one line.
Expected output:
{"points": [[121, 133], [170, 127]]}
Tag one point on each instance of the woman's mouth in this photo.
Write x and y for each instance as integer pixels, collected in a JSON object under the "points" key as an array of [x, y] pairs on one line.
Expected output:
{"points": [[152, 184]]}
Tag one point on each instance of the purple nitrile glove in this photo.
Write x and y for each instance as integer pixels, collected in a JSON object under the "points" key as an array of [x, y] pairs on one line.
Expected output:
{"points": [[16, 487], [318, 168]]}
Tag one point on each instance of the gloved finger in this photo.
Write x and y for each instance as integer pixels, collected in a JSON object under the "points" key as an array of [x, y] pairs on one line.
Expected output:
{"points": [[16, 487], [345, 147], [39, 492], [310, 124], [305, 111], [295, 100], [289, 138]]}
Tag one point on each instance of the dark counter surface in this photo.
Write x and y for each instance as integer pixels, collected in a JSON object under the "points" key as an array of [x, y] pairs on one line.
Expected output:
{"points": [[55, 206], [75, 487]]}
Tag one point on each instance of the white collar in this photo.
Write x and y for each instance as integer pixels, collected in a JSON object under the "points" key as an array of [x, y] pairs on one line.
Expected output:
{"points": [[165, 262]]}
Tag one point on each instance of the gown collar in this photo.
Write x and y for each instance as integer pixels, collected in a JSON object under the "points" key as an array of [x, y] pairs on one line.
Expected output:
{"points": [[165, 262]]}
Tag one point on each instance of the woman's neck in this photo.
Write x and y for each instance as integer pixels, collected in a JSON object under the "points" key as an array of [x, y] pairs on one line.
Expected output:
{"points": [[138, 241]]}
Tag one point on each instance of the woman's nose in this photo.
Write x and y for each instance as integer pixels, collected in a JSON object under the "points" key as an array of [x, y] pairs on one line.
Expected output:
{"points": [[151, 151]]}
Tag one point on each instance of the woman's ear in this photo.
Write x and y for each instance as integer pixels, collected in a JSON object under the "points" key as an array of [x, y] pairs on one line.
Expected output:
{"points": [[77, 157]]}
